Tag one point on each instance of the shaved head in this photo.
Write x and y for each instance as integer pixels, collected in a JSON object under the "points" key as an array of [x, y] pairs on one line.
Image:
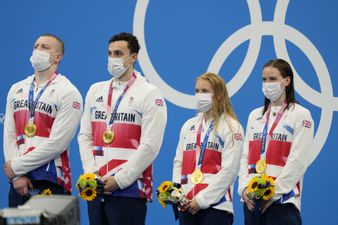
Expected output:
{"points": [[60, 44]]}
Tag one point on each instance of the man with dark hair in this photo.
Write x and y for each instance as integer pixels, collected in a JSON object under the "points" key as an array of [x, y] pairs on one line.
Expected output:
{"points": [[131, 40], [121, 134], [42, 114]]}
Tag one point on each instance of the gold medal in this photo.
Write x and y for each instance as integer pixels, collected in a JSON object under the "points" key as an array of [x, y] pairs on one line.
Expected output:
{"points": [[108, 136], [30, 130], [261, 166], [196, 177]]}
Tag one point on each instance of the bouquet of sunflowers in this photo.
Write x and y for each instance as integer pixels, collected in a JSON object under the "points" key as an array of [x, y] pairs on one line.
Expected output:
{"points": [[170, 193], [261, 187], [89, 185]]}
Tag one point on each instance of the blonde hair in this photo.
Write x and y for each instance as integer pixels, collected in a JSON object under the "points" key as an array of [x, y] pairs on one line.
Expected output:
{"points": [[221, 101]]}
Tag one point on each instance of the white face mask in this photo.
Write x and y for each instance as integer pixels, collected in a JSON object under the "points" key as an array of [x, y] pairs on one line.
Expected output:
{"points": [[204, 102], [40, 60], [272, 90], [116, 67]]}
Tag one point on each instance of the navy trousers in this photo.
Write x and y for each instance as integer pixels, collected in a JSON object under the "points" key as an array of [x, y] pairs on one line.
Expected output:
{"points": [[276, 214], [208, 216], [14, 199], [111, 210]]}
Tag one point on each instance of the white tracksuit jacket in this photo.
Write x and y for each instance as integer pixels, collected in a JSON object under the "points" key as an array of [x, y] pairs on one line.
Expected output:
{"points": [[57, 116], [220, 164], [288, 152]]}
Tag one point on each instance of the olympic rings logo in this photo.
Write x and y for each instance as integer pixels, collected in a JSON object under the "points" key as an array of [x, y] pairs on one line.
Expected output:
{"points": [[253, 32]]}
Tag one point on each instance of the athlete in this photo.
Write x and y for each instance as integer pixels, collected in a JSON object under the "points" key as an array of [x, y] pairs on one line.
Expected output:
{"points": [[121, 134], [42, 114], [278, 142], [207, 156]]}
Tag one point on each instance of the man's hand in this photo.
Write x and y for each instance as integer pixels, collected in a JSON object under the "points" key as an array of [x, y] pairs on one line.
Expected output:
{"points": [[192, 207], [110, 185], [8, 170], [249, 202], [265, 205], [22, 185]]}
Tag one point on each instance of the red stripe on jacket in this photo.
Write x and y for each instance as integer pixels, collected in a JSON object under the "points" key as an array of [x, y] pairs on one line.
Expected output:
{"points": [[126, 135], [254, 151], [147, 182], [277, 152], [67, 179], [211, 162], [42, 121], [111, 165], [195, 190]]}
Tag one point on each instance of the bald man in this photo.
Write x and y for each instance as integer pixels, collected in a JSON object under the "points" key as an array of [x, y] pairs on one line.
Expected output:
{"points": [[42, 114]]}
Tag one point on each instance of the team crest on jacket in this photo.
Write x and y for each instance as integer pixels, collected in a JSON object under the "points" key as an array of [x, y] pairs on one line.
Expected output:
{"points": [[51, 93], [131, 100]]}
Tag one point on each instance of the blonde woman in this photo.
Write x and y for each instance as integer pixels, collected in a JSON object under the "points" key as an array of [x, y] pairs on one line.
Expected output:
{"points": [[208, 154]]}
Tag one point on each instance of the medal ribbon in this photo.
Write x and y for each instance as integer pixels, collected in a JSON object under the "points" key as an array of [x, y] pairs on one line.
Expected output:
{"points": [[204, 144], [110, 122], [274, 125], [32, 102]]}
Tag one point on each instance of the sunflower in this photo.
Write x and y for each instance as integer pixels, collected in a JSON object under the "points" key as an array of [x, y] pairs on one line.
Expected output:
{"points": [[46, 192], [78, 186], [165, 186], [268, 193], [89, 176], [88, 194], [256, 187], [271, 181], [253, 185], [265, 177]]}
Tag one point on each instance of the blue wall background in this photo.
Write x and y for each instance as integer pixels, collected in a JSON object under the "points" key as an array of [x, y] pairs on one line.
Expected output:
{"points": [[181, 39]]}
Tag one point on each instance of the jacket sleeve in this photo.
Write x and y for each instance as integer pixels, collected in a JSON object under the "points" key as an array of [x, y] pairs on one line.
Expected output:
{"points": [[243, 176], [221, 182], [299, 157], [85, 137], [10, 145], [177, 168], [154, 119], [63, 129]]}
